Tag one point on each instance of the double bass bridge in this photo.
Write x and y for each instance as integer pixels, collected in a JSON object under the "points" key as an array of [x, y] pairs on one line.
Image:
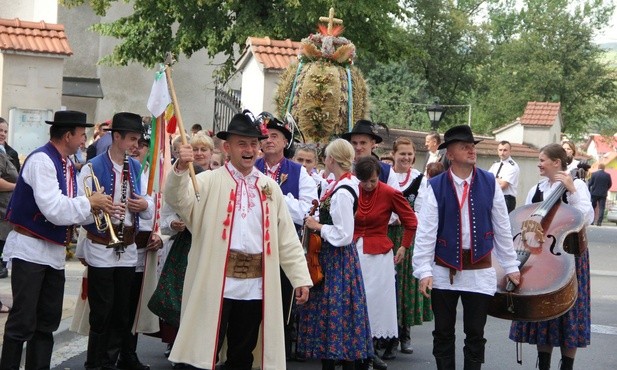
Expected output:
{"points": [[534, 228]]}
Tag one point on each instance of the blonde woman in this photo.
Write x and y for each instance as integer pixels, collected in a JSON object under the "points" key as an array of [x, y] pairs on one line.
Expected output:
{"points": [[202, 149], [334, 324]]}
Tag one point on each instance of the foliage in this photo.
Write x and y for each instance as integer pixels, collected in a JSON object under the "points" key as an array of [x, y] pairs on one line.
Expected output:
{"points": [[544, 52], [220, 26], [495, 55], [394, 88]]}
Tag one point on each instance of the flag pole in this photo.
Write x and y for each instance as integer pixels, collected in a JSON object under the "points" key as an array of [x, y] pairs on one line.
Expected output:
{"points": [[168, 62]]}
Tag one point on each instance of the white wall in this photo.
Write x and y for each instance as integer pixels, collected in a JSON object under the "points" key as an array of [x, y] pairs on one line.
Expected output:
{"points": [[30, 82], [30, 10], [253, 81], [126, 88], [514, 134]]}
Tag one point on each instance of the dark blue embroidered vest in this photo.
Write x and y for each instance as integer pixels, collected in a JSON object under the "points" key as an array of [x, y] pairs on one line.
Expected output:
{"points": [[292, 180], [103, 170], [448, 248], [23, 210], [385, 172]]}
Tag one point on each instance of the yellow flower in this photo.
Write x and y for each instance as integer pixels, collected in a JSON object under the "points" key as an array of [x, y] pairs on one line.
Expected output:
{"points": [[283, 179]]}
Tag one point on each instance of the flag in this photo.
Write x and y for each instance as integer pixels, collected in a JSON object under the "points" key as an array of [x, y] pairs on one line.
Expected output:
{"points": [[159, 95], [159, 156]]}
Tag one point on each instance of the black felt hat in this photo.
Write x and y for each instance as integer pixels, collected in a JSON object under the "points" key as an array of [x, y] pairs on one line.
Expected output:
{"points": [[458, 133], [364, 127], [126, 122], [69, 118], [242, 125], [271, 122]]}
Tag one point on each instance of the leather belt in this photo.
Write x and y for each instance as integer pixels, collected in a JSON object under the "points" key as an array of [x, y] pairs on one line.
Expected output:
{"points": [[128, 236], [484, 263], [243, 265], [25, 232]]}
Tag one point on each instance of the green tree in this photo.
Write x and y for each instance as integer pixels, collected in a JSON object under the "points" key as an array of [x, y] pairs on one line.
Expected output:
{"points": [[220, 26], [544, 52], [394, 89]]}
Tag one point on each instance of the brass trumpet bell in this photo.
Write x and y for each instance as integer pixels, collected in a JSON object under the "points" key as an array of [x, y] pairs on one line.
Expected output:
{"points": [[102, 219]]}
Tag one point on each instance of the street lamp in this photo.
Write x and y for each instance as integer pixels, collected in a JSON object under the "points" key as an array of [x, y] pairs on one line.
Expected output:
{"points": [[435, 114]]}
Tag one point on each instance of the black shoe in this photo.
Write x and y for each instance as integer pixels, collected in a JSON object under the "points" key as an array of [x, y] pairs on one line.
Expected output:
{"points": [[406, 347], [131, 362], [4, 272], [379, 364], [388, 355]]}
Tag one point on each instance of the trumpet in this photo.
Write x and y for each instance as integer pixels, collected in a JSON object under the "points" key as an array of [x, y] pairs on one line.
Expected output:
{"points": [[101, 219]]}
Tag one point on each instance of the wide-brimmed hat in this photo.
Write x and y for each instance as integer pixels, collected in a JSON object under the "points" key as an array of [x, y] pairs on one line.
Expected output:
{"points": [[126, 122], [69, 118], [242, 125], [458, 133], [273, 123], [364, 127]]}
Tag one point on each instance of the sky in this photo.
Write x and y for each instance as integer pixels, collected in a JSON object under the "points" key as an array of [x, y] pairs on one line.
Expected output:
{"points": [[609, 34]]}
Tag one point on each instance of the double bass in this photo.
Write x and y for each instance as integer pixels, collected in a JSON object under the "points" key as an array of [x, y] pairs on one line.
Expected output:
{"points": [[546, 237], [311, 242]]}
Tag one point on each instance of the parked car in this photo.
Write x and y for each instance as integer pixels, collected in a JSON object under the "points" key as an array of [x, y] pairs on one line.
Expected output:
{"points": [[611, 215]]}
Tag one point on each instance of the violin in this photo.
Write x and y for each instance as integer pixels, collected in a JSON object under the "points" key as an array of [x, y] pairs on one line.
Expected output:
{"points": [[311, 242], [546, 237]]}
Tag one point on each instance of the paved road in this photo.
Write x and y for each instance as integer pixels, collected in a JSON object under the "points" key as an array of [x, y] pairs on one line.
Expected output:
{"points": [[500, 351]]}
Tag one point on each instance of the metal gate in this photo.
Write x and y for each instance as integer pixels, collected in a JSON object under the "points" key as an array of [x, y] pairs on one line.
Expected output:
{"points": [[226, 104]]}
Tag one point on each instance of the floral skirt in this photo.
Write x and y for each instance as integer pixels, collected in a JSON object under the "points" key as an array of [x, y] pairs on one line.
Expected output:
{"points": [[412, 307], [570, 330], [167, 298], [334, 323]]}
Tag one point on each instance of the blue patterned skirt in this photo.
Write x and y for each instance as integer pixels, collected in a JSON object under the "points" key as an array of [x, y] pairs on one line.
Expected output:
{"points": [[570, 330], [334, 323]]}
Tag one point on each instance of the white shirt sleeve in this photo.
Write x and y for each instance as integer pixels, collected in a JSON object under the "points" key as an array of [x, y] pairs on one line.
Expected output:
{"points": [[426, 233], [299, 208], [340, 233], [503, 249], [149, 212], [581, 200], [40, 173], [393, 180], [167, 216]]}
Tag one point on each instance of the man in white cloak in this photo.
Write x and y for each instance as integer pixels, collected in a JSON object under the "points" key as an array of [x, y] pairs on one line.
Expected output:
{"points": [[242, 232]]}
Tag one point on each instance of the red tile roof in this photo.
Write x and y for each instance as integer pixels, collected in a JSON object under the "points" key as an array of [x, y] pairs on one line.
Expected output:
{"points": [[33, 37], [272, 54], [602, 145], [540, 113]]}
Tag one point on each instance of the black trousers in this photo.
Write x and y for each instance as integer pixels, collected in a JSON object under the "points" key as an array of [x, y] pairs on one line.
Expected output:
{"points": [[475, 307], [129, 341], [601, 202], [109, 290], [240, 322], [510, 202], [38, 292]]}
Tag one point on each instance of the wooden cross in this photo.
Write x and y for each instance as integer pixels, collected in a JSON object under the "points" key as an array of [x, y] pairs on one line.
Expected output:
{"points": [[331, 20]]}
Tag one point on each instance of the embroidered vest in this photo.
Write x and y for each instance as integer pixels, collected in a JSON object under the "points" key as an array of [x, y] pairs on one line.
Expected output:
{"points": [[292, 180], [385, 172], [103, 170], [448, 248], [23, 210]]}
